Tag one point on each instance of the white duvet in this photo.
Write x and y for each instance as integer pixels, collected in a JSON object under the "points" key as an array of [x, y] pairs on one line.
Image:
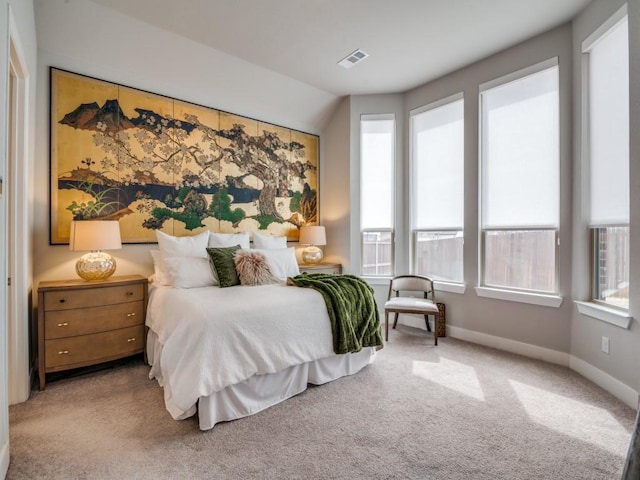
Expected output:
{"points": [[214, 337]]}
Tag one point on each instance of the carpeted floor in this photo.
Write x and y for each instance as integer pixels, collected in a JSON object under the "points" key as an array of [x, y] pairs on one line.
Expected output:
{"points": [[456, 411]]}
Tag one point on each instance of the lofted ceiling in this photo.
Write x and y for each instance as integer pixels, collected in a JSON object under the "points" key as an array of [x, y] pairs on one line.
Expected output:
{"points": [[409, 42]]}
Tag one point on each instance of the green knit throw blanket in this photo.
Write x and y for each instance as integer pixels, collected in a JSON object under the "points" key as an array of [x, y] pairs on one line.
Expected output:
{"points": [[355, 320]]}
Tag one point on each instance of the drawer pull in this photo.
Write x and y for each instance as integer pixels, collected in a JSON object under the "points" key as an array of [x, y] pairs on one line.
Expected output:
{"points": [[131, 314], [63, 352], [132, 339], [64, 324], [62, 300], [130, 293]]}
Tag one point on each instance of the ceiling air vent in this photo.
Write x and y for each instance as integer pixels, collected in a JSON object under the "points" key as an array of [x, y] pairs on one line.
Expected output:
{"points": [[353, 58]]}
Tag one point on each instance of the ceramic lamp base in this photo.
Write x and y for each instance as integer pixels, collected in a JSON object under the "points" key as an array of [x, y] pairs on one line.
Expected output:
{"points": [[312, 255], [95, 265]]}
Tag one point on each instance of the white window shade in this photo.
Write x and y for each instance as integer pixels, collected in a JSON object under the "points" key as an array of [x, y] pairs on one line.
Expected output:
{"points": [[437, 146], [609, 128], [377, 155], [520, 152]]}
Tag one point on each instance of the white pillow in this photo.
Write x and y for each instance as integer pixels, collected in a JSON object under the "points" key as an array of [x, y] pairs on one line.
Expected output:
{"points": [[282, 261], [160, 274], [268, 241], [170, 246], [189, 272], [228, 240]]}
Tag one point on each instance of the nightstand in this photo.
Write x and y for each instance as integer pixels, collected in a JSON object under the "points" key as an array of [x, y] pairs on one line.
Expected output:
{"points": [[321, 268], [84, 323]]}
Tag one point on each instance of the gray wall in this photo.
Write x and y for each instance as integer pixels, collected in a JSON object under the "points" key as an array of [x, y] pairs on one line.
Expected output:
{"points": [[558, 334], [341, 179], [541, 326], [371, 105], [335, 177], [623, 360]]}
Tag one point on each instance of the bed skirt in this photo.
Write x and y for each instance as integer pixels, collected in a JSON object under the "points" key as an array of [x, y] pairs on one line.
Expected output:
{"points": [[262, 391]]}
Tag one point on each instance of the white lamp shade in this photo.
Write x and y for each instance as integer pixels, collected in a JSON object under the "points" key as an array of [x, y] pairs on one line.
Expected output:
{"points": [[87, 235], [313, 235]]}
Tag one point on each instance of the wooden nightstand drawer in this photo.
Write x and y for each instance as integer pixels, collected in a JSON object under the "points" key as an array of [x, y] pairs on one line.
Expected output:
{"points": [[335, 268], [98, 347], [83, 321], [81, 298]]}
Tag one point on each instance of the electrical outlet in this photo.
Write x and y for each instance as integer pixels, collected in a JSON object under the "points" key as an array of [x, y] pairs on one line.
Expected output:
{"points": [[605, 345]]}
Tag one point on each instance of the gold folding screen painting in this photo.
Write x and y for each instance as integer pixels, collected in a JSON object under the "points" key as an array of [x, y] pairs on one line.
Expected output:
{"points": [[153, 162]]}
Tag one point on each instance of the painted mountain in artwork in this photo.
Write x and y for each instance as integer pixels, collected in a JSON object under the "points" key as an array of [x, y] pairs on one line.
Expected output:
{"points": [[81, 115], [88, 115], [150, 120]]}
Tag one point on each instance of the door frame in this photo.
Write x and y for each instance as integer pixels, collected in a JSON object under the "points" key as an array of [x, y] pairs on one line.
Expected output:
{"points": [[18, 219]]}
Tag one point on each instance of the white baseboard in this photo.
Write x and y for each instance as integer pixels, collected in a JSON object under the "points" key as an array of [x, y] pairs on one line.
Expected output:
{"points": [[612, 385], [513, 346], [4, 460], [615, 387]]}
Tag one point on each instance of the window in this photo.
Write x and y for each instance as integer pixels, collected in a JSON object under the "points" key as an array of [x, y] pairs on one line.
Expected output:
{"points": [[437, 189], [607, 149], [377, 158], [519, 180], [611, 265]]}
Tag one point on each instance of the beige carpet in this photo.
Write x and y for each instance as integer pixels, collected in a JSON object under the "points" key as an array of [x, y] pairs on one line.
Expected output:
{"points": [[457, 411]]}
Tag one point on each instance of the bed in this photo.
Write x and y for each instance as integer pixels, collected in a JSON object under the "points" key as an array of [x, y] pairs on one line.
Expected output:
{"points": [[226, 353]]}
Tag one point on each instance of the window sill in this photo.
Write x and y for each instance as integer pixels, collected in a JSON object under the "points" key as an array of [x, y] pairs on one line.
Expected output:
{"points": [[448, 287], [377, 280], [606, 314], [522, 297]]}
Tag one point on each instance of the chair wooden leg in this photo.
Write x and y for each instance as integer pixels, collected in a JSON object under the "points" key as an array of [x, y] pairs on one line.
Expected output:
{"points": [[435, 330], [426, 320], [395, 321], [386, 326]]}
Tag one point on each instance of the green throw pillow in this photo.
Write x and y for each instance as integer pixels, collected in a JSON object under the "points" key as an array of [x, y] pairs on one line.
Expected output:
{"points": [[223, 265]]}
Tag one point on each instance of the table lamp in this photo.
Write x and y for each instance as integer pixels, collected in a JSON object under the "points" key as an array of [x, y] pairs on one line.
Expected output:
{"points": [[312, 236], [95, 236]]}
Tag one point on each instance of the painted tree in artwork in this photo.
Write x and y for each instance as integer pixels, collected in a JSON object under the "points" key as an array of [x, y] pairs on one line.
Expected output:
{"points": [[193, 155], [266, 156], [163, 143]]}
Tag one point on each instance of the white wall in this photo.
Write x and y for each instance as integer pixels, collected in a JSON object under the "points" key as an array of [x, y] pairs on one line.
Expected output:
{"points": [[586, 332], [17, 19], [4, 358], [88, 39], [23, 55]]}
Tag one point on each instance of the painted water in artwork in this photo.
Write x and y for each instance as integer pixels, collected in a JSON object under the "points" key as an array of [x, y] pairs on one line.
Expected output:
{"points": [[152, 162]]}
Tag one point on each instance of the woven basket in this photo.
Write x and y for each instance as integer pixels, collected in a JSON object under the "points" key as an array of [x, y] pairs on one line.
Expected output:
{"points": [[442, 320]]}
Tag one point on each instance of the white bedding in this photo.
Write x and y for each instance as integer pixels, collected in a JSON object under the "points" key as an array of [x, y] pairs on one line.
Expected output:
{"points": [[212, 337]]}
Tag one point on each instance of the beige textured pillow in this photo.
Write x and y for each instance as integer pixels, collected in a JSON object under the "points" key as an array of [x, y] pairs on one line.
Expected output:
{"points": [[253, 269]]}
